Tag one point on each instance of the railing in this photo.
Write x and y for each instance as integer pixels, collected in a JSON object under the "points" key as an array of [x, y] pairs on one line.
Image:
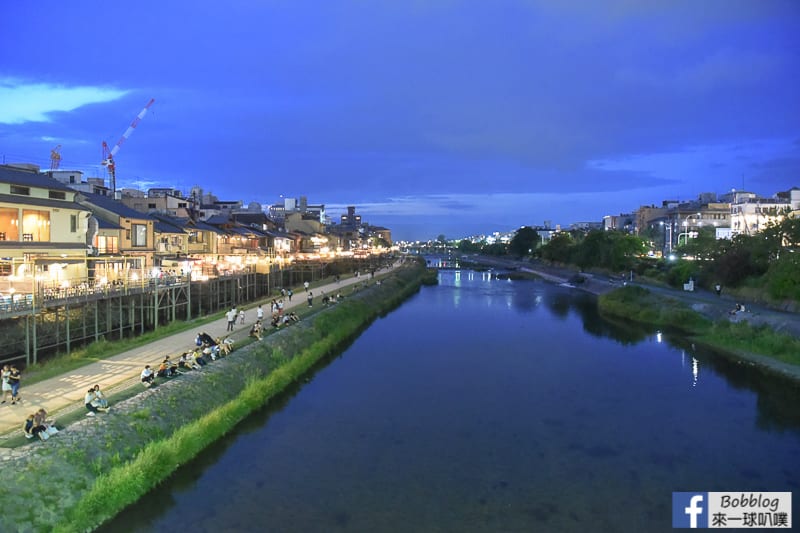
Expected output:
{"points": [[48, 294]]}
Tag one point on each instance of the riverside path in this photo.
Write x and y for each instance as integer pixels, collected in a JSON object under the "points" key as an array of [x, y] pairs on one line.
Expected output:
{"points": [[65, 393]]}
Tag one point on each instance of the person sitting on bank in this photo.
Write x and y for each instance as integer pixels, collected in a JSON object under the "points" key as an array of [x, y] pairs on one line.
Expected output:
{"points": [[99, 401], [225, 346], [199, 359], [207, 339], [165, 369], [87, 401], [31, 429], [255, 330], [148, 376], [185, 362], [209, 353], [40, 419]]}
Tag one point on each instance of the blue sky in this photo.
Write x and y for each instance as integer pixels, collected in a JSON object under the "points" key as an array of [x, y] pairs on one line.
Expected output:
{"points": [[431, 117]]}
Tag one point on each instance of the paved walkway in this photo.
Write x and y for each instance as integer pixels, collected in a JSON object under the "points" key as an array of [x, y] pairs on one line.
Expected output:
{"points": [[66, 392]]}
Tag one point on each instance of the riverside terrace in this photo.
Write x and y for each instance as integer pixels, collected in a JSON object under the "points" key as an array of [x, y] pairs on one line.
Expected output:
{"points": [[64, 394], [60, 320]]}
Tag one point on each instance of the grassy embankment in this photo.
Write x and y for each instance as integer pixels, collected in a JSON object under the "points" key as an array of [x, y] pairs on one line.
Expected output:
{"points": [[125, 483], [739, 338]]}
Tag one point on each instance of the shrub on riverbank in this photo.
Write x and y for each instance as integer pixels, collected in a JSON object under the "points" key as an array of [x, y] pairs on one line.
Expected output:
{"points": [[253, 376]]}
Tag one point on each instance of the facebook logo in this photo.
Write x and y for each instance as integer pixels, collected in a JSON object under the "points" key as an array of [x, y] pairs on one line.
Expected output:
{"points": [[689, 509]]}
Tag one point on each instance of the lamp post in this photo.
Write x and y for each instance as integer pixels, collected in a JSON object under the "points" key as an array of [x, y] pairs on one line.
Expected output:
{"points": [[686, 227], [668, 228]]}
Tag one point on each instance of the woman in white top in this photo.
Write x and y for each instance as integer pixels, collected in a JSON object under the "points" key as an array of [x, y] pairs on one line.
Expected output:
{"points": [[6, 384]]}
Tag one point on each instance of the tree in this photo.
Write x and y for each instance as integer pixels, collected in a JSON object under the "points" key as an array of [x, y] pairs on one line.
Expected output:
{"points": [[558, 248], [523, 242]]}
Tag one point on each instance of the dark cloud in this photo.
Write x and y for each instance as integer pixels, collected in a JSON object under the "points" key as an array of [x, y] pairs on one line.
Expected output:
{"points": [[352, 101]]}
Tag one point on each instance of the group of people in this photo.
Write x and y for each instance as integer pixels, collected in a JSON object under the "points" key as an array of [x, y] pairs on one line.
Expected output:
{"points": [[37, 425], [11, 379], [207, 349], [285, 320]]}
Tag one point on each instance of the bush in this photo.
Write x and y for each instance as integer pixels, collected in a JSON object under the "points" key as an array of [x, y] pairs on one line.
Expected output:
{"points": [[783, 278]]}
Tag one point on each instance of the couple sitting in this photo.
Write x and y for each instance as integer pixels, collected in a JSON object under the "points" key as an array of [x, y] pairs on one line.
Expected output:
{"points": [[167, 369], [37, 425], [95, 401]]}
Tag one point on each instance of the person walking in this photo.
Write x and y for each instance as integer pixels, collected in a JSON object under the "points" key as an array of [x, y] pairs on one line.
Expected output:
{"points": [[259, 313], [718, 289], [6, 383], [290, 293], [241, 317], [310, 298], [231, 316], [14, 379], [305, 285]]}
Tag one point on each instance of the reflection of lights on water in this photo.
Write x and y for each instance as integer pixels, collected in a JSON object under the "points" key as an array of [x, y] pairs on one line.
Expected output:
{"points": [[659, 337], [695, 371], [538, 299]]}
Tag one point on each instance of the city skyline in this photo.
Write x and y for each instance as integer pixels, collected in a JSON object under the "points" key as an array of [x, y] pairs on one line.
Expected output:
{"points": [[453, 118]]}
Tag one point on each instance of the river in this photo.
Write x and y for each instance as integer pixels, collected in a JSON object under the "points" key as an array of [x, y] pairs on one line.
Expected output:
{"points": [[490, 405]]}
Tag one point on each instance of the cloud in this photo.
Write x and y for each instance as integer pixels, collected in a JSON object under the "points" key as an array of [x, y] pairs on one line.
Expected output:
{"points": [[22, 102]]}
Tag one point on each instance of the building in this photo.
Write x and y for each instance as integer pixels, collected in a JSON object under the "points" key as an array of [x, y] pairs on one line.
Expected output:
{"points": [[43, 230], [164, 201], [751, 214]]}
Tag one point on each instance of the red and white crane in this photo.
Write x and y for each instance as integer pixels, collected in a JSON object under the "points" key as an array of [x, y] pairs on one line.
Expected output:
{"points": [[109, 153]]}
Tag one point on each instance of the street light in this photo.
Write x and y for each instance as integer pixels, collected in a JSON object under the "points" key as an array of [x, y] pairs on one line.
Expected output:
{"points": [[686, 227], [669, 228]]}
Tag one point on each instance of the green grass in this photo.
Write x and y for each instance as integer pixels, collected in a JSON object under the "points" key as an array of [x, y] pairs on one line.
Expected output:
{"points": [[124, 484], [639, 304], [762, 340]]}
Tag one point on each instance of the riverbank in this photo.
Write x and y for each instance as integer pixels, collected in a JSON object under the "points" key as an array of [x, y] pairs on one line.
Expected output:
{"points": [[88, 472], [738, 341]]}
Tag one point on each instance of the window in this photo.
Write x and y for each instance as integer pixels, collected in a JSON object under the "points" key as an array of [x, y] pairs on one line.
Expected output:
{"points": [[16, 189], [72, 178], [139, 235], [9, 223], [35, 225], [151, 206], [106, 244], [73, 223], [57, 195]]}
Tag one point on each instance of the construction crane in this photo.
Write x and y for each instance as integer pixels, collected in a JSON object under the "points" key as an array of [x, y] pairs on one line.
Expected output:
{"points": [[55, 157], [109, 153]]}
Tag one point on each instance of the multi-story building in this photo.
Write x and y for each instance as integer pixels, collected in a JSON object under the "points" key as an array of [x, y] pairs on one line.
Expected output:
{"points": [[42, 230], [751, 214], [165, 201], [124, 236]]}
